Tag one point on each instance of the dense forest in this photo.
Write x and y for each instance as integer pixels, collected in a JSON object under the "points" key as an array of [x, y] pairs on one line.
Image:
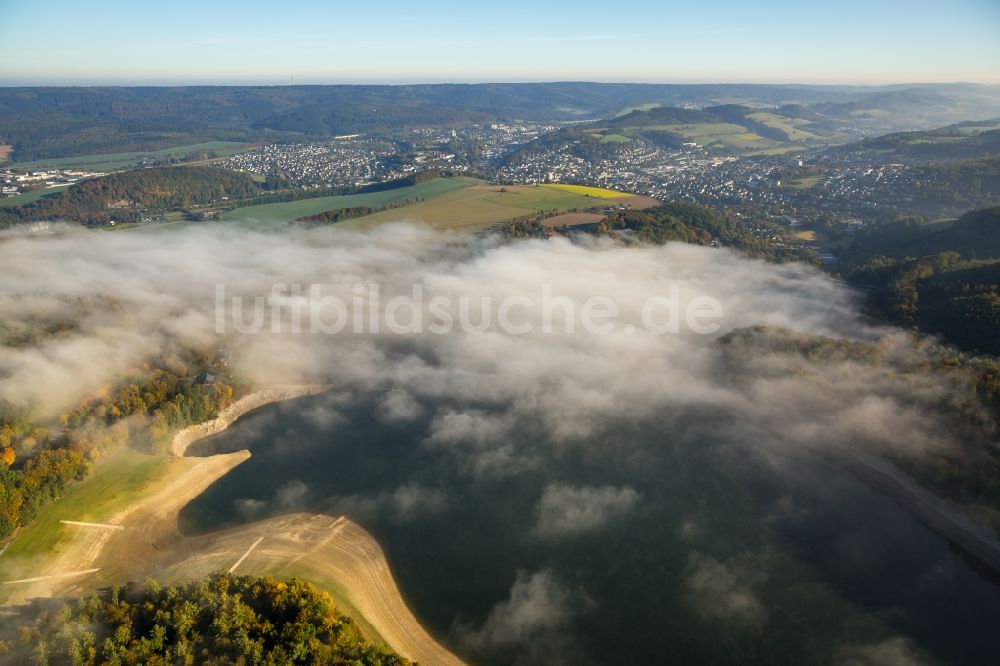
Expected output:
{"points": [[940, 189], [701, 225], [38, 460], [941, 281], [223, 619]]}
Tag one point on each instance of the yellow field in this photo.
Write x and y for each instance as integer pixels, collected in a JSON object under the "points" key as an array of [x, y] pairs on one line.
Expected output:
{"points": [[586, 191], [481, 206], [806, 235]]}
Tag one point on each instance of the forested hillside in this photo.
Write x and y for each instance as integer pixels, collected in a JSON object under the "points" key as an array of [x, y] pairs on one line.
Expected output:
{"points": [[942, 281], [123, 196], [701, 225], [960, 141]]}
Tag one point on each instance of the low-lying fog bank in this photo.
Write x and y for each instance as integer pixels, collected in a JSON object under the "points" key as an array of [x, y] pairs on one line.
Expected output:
{"points": [[659, 478]]}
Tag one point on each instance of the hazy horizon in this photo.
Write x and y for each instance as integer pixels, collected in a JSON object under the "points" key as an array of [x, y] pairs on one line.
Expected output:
{"points": [[253, 43], [473, 82]]}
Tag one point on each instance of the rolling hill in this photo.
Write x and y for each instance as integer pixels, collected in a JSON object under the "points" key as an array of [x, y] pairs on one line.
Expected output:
{"points": [[53, 122]]}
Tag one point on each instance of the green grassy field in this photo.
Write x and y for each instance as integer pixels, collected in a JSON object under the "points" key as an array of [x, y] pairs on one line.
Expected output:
{"points": [[112, 161], [484, 205], [278, 215], [699, 130], [34, 195], [615, 138], [113, 485]]}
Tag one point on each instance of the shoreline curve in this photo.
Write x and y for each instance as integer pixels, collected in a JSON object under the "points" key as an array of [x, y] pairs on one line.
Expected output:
{"points": [[259, 398]]}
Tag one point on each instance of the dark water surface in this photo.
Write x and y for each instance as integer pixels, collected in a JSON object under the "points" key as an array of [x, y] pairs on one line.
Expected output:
{"points": [[722, 559]]}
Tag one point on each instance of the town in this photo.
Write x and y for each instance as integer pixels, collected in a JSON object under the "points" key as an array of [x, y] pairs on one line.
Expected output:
{"points": [[843, 188]]}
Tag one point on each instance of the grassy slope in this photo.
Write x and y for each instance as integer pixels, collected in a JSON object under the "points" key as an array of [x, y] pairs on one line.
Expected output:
{"points": [[113, 485]]}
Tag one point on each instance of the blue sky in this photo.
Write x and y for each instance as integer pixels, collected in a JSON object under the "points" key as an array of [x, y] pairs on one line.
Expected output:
{"points": [[281, 41]]}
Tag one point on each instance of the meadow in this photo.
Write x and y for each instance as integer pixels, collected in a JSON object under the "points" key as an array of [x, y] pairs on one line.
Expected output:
{"points": [[727, 135], [792, 127], [615, 138], [33, 195]]}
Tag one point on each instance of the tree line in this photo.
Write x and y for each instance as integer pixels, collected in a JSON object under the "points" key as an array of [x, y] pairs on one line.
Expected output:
{"points": [[223, 619]]}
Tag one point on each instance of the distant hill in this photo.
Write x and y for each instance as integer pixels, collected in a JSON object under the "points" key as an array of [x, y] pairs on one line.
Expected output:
{"points": [[964, 140], [724, 128], [975, 234], [48, 122]]}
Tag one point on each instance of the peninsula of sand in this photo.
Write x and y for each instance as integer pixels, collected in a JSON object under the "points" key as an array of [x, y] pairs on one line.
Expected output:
{"points": [[143, 541]]}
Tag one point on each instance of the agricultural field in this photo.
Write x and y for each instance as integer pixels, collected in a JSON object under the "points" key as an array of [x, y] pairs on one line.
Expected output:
{"points": [[278, 215], [5, 152], [587, 191], [482, 206], [445, 203], [792, 127], [115, 161], [726, 135]]}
